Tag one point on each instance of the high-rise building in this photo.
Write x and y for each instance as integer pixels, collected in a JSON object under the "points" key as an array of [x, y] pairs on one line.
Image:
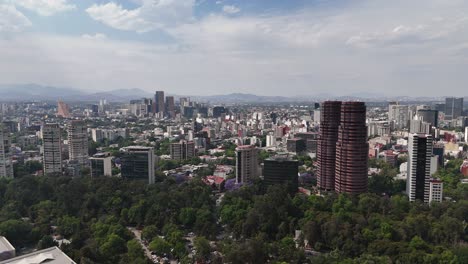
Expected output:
{"points": [[352, 149], [438, 150], [429, 116], [326, 148], [453, 107], [63, 110], [399, 114], [218, 111], [101, 164], [159, 106], [466, 134], [419, 167], [170, 106], [52, 144], [138, 163], [78, 141], [182, 150], [281, 169], [296, 145], [246, 163], [310, 139], [6, 164], [436, 190], [270, 140]]}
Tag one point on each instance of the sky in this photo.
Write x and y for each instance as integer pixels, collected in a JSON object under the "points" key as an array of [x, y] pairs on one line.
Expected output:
{"points": [[264, 47]]}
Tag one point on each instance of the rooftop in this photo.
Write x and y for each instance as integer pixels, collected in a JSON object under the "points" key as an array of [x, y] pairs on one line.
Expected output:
{"points": [[5, 245], [51, 255]]}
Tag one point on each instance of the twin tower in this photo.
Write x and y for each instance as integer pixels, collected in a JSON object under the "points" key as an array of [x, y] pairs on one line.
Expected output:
{"points": [[342, 147]]}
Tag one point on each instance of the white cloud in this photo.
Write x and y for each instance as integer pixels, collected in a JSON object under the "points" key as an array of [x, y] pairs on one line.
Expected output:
{"points": [[11, 20], [366, 45], [116, 16], [230, 9], [152, 14], [97, 36], [45, 7]]}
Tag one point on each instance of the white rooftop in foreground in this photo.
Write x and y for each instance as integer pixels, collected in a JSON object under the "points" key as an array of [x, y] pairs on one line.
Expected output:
{"points": [[51, 255], [5, 245]]}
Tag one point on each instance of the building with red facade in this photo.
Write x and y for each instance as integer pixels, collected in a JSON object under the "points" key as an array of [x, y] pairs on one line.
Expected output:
{"points": [[352, 149], [326, 148]]}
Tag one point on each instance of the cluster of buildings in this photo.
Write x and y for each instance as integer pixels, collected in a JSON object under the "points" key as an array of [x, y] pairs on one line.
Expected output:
{"points": [[338, 136]]}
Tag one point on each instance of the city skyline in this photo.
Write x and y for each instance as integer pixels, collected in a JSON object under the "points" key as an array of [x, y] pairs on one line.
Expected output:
{"points": [[212, 47]]}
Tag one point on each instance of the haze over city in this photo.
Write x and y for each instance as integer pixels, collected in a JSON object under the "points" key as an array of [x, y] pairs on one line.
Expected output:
{"points": [[218, 47]]}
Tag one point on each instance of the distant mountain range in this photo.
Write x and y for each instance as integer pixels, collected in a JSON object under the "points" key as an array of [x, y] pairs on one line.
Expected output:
{"points": [[26, 92]]}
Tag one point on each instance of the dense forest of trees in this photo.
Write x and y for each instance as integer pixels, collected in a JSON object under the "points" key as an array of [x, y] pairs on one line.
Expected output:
{"points": [[250, 225]]}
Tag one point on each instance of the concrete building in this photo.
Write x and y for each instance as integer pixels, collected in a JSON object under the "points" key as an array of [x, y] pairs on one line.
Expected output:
{"points": [[352, 149], [281, 169], [429, 116], [159, 107], [296, 145], [7, 251], [138, 163], [101, 164], [453, 107], [326, 148], [6, 163], [436, 190], [399, 114], [419, 167], [246, 163], [78, 142], [466, 134], [170, 106], [270, 140], [182, 150], [52, 144], [51, 255], [311, 140]]}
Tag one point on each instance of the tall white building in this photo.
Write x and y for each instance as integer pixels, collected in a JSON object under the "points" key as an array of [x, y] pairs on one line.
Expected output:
{"points": [[419, 167], [182, 150], [6, 165], [466, 134], [52, 144], [436, 189], [270, 140], [246, 163], [399, 114], [78, 141]]}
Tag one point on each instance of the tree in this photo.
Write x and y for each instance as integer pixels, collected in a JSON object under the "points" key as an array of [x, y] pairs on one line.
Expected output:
{"points": [[16, 231], [160, 246], [46, 242], [149, 232], [134, 250], [113, 247], [68, 225], [202, 245]]}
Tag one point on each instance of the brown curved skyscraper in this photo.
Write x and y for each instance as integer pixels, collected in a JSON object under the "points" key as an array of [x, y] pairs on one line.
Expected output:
{"points": [[352, 149], [330, 112]]}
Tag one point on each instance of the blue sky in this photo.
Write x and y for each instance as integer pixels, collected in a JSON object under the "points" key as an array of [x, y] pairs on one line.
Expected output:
{"points": [[272, 47]]}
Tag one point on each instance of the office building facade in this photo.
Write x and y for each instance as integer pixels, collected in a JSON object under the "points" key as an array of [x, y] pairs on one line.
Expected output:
{"points": [[453, 107], [246, 163], [326, 148], [138, 163], [6, 163], [52, 148], [158, 104], [78, 142], [436, 190], [182, 150], [419, 167], [352, 149], [281, 169], [101, 164]]}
